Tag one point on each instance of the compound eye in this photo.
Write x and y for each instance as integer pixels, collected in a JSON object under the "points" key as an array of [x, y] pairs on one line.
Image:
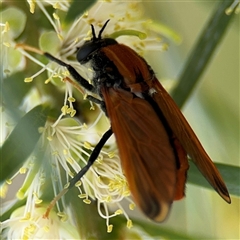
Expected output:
{"points": [[85, 51]]}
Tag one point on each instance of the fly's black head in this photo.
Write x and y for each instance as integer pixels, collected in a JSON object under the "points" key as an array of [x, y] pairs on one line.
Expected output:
{"points": [[86, 51]]}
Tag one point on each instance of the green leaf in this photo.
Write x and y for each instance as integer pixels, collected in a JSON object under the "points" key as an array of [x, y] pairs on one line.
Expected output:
{"points": [[22, 140], [155, 230], [230, 174], [202, 52], [13, 90], [77, 8]]}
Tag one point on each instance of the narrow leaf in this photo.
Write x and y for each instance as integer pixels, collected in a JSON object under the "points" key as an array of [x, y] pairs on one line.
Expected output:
{"points": [[22, 140], [230, 174], [202, 52], [155, 230], [13, 90]]}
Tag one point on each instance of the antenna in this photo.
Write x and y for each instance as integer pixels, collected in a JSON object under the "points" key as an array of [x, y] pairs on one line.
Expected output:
{"points": [[94, 38], [102, 29]]}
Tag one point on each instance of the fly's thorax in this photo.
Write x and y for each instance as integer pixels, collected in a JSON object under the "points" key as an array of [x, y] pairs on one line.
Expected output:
{"points": [[105, 72]]}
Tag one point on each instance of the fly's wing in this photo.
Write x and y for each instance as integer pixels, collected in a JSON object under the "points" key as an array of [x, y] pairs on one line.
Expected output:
{"points": [[147, 156], [188, 139]]}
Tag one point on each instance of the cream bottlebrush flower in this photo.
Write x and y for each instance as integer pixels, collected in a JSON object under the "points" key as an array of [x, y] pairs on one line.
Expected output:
{"points": [[64, 41], [103, 182], [28, 223], [62, 146]]}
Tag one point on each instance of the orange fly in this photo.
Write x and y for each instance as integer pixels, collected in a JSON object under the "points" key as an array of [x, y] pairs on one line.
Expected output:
{"points": [[152, 135]]}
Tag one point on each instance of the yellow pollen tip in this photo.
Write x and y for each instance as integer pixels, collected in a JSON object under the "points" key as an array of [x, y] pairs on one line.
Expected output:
{"points": [[76, 40], [87, 145], [38, 201], [69, 110], [70, 160], [47, 80], [56, 16], [87, 201], [118, 212], [126, 193], [66, 185], [20, 194], [46, 228], [6, 27], [73, 112], [66, 73], [85, 96], [9, 181], [56, 5], [55, 75], [78, 183], [71, 99], [132, 206], [99, 160], [49, 138], [111, 154], [129, 224], [60, 36], [83, 195], [85, 14], [3, 190], [71, 174], [6, 44], [65, 151], [64, 109], [27, 80], [235, 7], [32, 7], [64, 218], [109, 228], [41, 129], [55, 153], [99, 179], [108, 199], [61, 214], [26, 218]]}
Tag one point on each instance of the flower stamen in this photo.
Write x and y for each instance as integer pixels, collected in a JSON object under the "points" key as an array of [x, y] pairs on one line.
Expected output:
{"points": [[235, 7]]}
